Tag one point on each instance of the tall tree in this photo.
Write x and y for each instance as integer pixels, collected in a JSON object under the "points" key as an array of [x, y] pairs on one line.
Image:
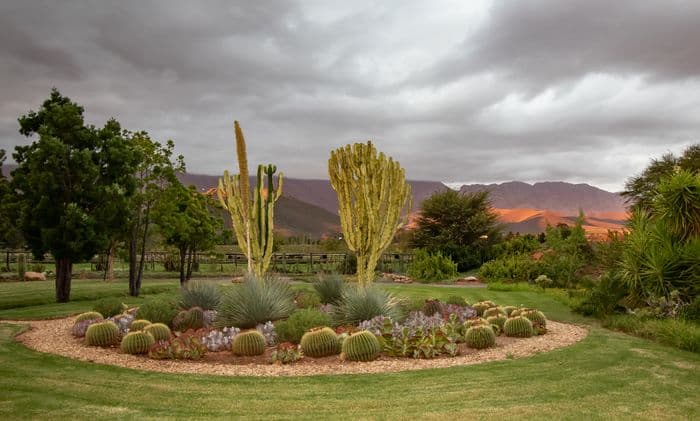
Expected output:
{"points": [[63, 180], [10, 234]]}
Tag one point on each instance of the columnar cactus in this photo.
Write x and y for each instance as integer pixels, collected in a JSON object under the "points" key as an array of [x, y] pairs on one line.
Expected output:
{"points": [[137, 342], [480, 337], [248, 344], [361, 346], [102, 334], [319, 342], [518, 326], [253, 225], [493, 311], [431, 307], [137, 325], [90, 315], [160, 331], [372, 194]]}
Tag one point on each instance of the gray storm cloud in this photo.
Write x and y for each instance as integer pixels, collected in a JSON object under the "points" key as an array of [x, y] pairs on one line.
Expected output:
{"points": [[475, 91]]}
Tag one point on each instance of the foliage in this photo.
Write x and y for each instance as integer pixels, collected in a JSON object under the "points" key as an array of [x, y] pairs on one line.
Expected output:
{"points": [[361, 346], [543, 281], [319, 342], [158, 310], [518, 326], [461, 226], [329, 288], [10, 231], [109, 307], [203, 294], [248, 344], [692, 310], [306, 299], [480, 337], [183, 347], [137, 343], [90, 315], [372, 193], [189, 319], [510, 268], [255, 301], [456, 300], [677, 333], [102, 334], [140, 324], [431, 267], [285, 353], [159, 331], [293, 329], [359, 304]]}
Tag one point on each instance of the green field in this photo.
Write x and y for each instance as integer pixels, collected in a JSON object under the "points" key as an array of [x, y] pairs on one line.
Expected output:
{"points": [[606, 376]]}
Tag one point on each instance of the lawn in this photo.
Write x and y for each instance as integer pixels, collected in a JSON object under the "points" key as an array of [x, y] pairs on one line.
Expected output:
{"points": [[607, 376]]}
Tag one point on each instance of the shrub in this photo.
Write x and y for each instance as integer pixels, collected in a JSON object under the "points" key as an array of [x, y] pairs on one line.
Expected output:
{"points": [[184, 347], [510, 268], [330, 288], [137, 343], [543, 281], [285, 353], [90, 315], [158, 310], [692, 310], [431, 267], [102, 334], [137, 325], [109, 307], [480, 337], [248, 344], [604, 298], [189, 319], [319, 342], [456, 300], [292, 329], [361, 346], [307, 300], [431, 307], [360, 304], [519, 327], [202, 294], [160, 331], [678, 333], [255, 301]]}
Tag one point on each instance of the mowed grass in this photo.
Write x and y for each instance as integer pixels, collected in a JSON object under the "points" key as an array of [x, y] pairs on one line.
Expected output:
{"points": [[608, 375]]}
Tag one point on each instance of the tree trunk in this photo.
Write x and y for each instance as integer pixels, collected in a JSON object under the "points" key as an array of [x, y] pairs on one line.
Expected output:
{"points": [[7, 260], [64, 267], [133, 247], [110, 265], [144, 237], [183, 254], [192, 252]]}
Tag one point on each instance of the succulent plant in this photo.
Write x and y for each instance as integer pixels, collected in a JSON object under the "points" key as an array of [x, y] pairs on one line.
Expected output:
{"points": [[102, 334], [220, 340], [137, 342], [431, 307], [268, 331], [90, 315], [137, 325], [479, 321], [497, 329], [519, 311], [482, 306], [462, 312], [480, 337], [285, 353], [509, 310], [79, 328], [159, 331], [123, 322], [361, 346], [189, 319], [518, 326], [319, 342], [535, 316], [498, 320], [493, 311], [248, 344]]}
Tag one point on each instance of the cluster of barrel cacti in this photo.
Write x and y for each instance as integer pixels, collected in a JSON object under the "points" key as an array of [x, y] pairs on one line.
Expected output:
{"points": [[102, 334], [480, 337], [248, 344], [159, 331], [320, 342], [189, 319], [361, 346], [137, 342]]}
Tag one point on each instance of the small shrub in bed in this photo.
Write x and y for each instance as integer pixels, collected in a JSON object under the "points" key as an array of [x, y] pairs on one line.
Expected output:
{"points": [[292, 329], [431, 267], [109, 307], [248, 344], [158, 310], [319, 342], [285, 353], [184, 347], [255, 301], [330, 288], [361, 346], [203, 294], [307, 300]]}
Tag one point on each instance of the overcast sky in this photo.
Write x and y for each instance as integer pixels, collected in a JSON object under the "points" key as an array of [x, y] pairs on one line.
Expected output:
{"points": [[473, 91]]}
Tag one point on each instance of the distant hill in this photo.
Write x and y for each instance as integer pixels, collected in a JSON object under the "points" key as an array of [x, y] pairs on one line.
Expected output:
{"points": [[533, 221]]}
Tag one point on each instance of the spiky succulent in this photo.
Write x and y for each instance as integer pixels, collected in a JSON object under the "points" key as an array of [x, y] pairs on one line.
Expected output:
{"points": [[139, 324], [493, 311], [539, 321], [499, 320], [160, 331], [319, 342], [482, 306], [189, 319], [248, 344], [518, 326], [361, 346], [509, 310], [137, 342], [90, 315], [479, 321], [431, 307], [102, 334], [480, 337]]}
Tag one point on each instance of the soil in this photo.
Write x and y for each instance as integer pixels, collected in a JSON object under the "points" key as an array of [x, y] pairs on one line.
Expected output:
{"points": [[53, 336]]}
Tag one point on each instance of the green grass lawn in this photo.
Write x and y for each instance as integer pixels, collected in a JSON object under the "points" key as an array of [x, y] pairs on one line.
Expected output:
{"points": [[606, 376]]}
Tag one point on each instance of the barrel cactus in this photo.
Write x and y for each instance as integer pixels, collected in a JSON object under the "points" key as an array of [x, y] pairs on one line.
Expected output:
{"points": [[137, 325], [90, 315], [189, 319], [79, 328], [137, 342], [431, 307], [518, 326], [160, 331], [476, 322], [248, 344], [102, 334], [361, 346], [509, 310], [539, 321], [493, 311], [496, 329], [499, 320], [482, 306], [480, 337], [319, 342]]}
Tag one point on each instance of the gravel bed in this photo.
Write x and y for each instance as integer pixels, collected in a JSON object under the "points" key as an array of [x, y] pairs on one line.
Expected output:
{"points": [[53, 336]]}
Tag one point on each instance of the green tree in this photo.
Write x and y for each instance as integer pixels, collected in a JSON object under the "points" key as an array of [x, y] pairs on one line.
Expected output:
{"points": [[10, 234], [185, 222], [63, 182], [459, 225]]}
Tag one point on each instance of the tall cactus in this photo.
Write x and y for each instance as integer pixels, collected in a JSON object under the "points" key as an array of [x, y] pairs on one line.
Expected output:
{"points": [[372, 193], [252, 224]]}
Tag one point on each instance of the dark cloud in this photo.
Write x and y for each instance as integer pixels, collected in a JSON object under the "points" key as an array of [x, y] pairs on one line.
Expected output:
{"points": [[580, 91]]}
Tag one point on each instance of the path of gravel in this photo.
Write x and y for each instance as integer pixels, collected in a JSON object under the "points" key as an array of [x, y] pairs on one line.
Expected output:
{"points": [[53, 336]]}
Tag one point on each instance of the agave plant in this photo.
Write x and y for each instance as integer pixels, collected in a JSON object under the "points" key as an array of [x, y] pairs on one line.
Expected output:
{"points": [[330, 288], [255, 301], [200, 294]]}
